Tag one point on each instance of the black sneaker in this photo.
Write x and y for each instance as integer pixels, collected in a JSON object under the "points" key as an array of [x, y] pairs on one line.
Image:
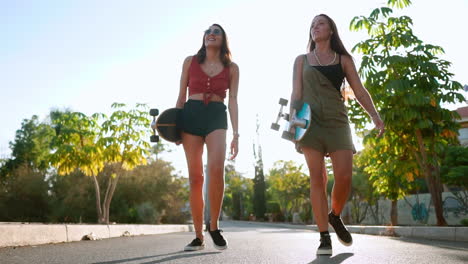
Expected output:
{"points": [[196, 244], [341, 232], [325, 247], [218, 240]]}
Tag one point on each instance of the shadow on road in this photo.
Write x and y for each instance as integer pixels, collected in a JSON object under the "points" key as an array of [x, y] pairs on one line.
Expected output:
{"points": [[334, 260], [176, 255], [453, 245], [282, 231]]}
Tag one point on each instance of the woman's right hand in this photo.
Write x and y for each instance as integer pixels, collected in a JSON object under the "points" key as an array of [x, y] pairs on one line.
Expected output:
{"points": [[379, 124]]}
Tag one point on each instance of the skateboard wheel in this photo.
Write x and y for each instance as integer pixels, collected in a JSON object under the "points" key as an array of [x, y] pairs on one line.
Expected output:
{"points": [[154, 138], [286, 117], [275, 126], [154, 112], [283, 102], [287, 135], [297, 105]]}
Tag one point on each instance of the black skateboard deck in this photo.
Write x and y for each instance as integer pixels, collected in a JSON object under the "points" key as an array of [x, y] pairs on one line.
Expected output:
{"points": [[166, 125]]}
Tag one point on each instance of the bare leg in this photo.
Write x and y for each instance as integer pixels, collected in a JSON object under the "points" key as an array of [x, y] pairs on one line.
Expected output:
{"points": [[193, 147], [325, 178], [216, 146], [318, 197], [342, 161]]}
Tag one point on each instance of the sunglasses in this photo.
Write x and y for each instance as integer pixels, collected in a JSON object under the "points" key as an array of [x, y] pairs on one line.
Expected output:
{"points": [[215, 31]]}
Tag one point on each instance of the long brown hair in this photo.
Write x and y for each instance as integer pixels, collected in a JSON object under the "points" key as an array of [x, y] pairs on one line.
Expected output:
{"points": [[224, 54], [335, 41]]}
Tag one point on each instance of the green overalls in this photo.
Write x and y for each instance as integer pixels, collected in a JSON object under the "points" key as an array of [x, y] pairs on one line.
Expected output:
{"points": [[329, 129]]}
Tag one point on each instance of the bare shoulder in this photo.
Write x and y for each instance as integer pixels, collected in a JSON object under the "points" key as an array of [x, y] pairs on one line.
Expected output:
{"points": [[299, 58], [347, 60], [188, 60], [299, 62], [234, 68]]}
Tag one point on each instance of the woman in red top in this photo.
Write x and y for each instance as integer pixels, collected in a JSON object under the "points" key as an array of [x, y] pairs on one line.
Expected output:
{"points": [[208, 75]]}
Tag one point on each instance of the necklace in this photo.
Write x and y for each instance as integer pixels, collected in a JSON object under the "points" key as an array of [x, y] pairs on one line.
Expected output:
{"points": [[211, 67], [209, 63], [315, 54]]}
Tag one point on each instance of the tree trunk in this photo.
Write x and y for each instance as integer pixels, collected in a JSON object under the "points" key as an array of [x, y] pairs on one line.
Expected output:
{"points": [[435, 188], [111, 195], [374, 214], [394, 213], [432, 176], [104, 203], [100, 215], [112, 184], [259, 192]]}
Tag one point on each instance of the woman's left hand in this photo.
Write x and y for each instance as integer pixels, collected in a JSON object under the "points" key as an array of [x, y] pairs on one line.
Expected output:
{"points": [[379, 124], [234, 148], [298, 147]]}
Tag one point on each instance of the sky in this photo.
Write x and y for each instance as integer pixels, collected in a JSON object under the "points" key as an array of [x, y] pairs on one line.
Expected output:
{"points": [[85, 55]]}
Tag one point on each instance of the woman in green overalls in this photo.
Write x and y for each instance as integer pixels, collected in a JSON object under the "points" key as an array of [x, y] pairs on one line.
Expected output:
{"points": [[317, 79]]}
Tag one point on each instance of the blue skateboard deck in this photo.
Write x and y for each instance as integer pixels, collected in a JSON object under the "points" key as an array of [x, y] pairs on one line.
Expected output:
{"points": [[303, 114]]}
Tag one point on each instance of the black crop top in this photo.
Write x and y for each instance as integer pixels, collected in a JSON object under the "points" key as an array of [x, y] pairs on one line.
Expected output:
{"points": [[334, 73]]}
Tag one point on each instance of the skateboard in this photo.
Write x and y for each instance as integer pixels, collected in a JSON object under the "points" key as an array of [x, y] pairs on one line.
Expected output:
{"points": [[165, 125], [299, 119]]}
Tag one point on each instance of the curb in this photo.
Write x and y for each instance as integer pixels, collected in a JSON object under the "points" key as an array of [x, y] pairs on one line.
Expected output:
{"points": [[24, 234], [455, 233]]}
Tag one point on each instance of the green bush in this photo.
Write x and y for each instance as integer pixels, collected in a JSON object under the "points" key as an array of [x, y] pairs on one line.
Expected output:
{"points": [[274, 208], [464, 222]]}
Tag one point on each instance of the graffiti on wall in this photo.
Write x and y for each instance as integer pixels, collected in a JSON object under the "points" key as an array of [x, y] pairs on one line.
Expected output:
{"points": [[419, 212], [457, 205]]}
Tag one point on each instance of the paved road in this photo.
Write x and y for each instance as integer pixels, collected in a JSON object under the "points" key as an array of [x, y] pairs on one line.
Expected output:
{"points": [[249, 243]]}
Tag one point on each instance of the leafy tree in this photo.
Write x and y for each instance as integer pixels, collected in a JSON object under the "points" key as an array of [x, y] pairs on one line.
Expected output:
{"points": [[391, 173], [76, 146], [151, 194], [71, 197], [30, 147], [409, 83], [123, 137], [158, 148], [23, 189], [238, 195], [23, 196], [84, 144], [289, 186], [30, 191], [454, 172], [363, 194], [259, 180]]}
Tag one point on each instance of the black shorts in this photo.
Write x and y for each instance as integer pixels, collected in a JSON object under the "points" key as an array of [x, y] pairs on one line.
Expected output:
{"points": [[200, 119]]}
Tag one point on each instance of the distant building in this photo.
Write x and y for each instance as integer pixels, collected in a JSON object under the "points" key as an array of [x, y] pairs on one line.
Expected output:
{"points": [[463, 132]]}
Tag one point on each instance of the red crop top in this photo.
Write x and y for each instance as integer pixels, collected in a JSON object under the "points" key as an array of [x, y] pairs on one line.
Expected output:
{"points": [[200, 82]]}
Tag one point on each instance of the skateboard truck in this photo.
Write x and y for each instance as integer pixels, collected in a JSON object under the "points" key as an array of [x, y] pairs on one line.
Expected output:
{"points": [[154, 112], [283, 102]]}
